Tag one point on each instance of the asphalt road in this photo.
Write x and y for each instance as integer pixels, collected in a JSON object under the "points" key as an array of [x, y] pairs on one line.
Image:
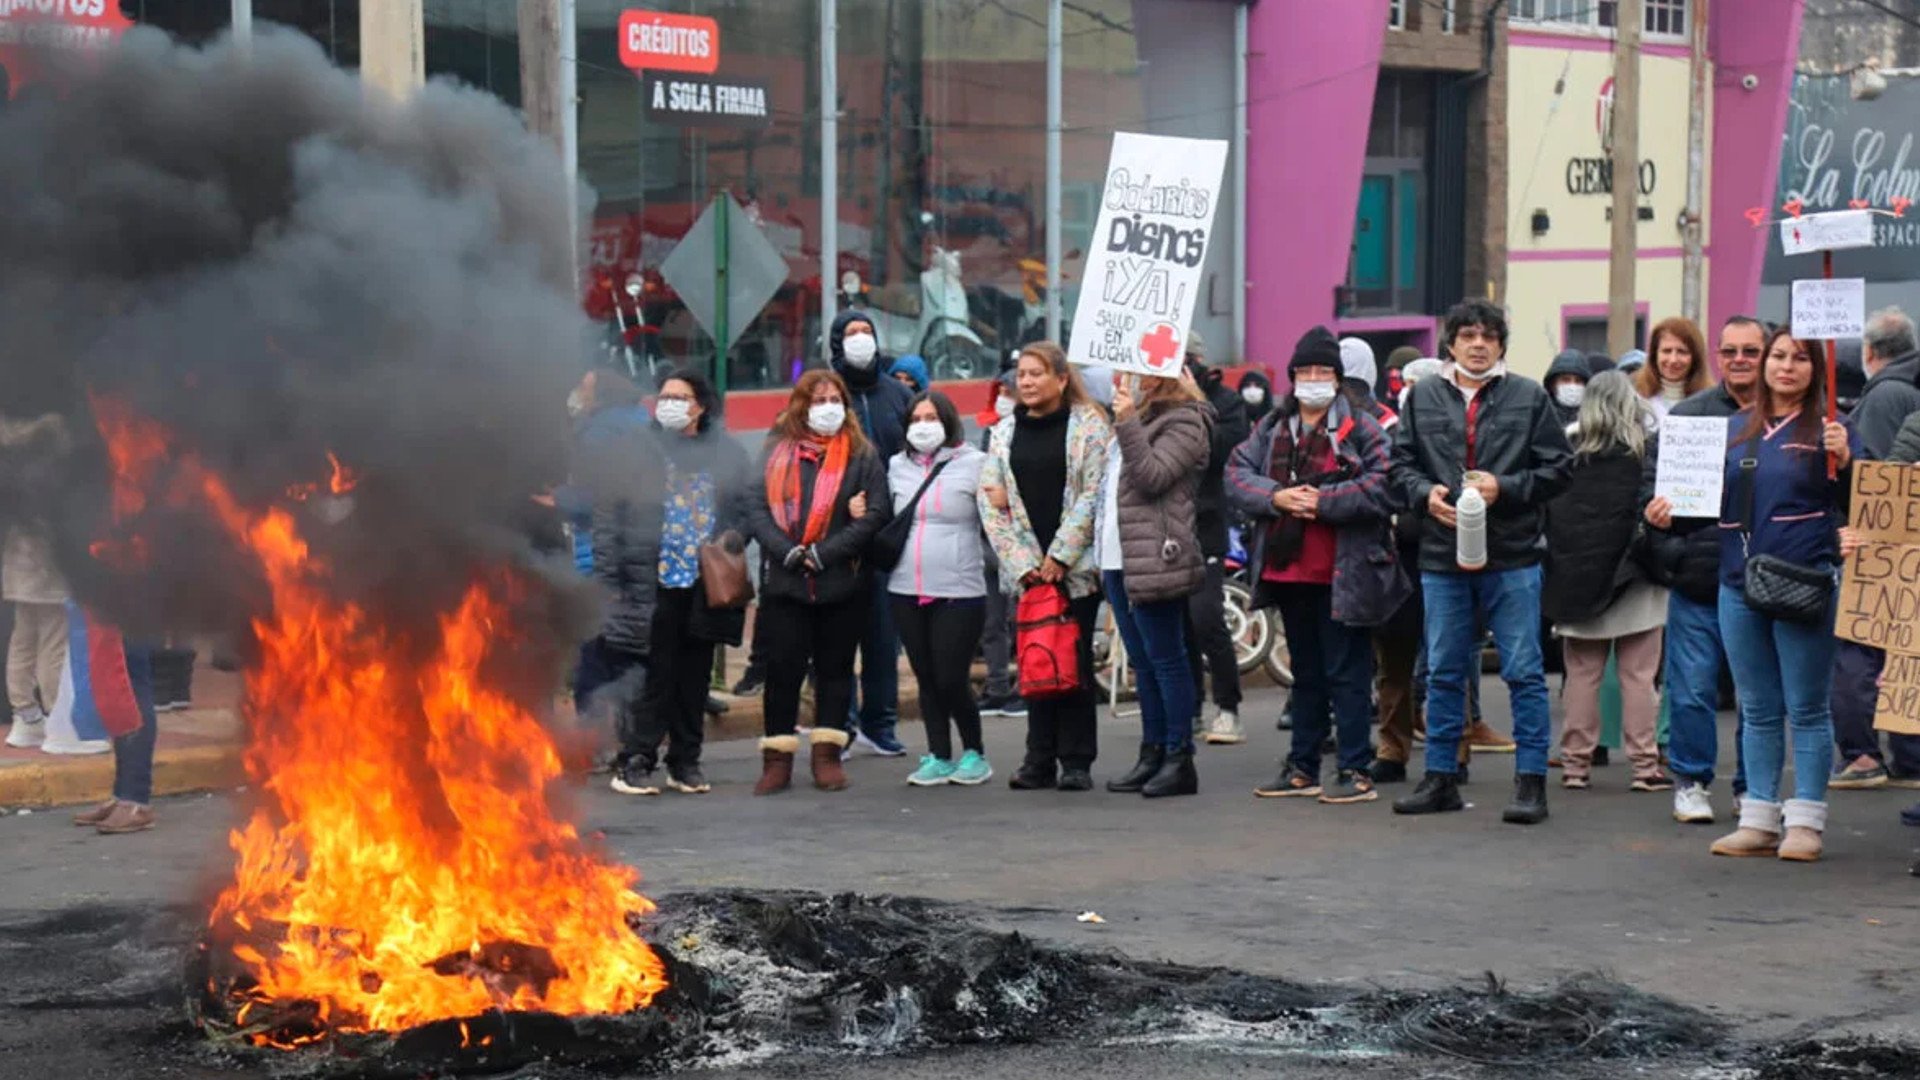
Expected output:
{"points": [[1351, 896]]}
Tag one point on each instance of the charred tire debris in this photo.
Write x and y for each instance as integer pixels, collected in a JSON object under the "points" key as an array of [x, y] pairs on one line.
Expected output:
{"points": [[760, 976]]}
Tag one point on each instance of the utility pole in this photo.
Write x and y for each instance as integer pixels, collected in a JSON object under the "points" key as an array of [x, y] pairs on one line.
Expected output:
{"points": [[393, 53], [548, 88], [1624, 127], [1693, 221], [829, 167], [242, 22], [1056, 61]]}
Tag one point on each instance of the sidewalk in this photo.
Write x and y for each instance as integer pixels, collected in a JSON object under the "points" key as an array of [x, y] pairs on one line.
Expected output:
{"points": [[199, 748]]}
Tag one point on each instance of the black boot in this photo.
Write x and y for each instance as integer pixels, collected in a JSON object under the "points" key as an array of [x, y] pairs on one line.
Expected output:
{"points": [[1437, 794], [1529, 805], [1389, 772], [1176, 776], [1136, 778]]}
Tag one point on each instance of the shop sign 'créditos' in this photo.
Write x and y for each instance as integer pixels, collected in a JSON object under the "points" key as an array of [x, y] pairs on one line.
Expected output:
{"points": [[662, 41]]}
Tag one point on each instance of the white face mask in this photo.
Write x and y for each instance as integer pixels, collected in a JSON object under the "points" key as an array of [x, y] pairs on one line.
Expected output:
{"points": [[1314, 395], [1252, 395], [1003, 406], [1570, 395], [826, 419], [926, 435], [673, 415], [860, 350], [576, 403]]}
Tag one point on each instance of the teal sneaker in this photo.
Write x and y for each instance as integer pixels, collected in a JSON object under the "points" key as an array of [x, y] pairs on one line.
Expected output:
{"points": [[932, 772], [973, 769]]}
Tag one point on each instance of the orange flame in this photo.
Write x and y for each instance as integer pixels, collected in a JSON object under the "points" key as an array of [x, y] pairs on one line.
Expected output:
{"points": [[405, 821]]}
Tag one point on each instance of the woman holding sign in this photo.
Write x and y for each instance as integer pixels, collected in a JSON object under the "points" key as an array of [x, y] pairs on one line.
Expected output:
{"points": [[1779, 551]]}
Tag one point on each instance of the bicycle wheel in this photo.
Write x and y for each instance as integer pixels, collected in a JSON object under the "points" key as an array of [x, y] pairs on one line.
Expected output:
{"points": [[1250, 631], [1278, 659]]}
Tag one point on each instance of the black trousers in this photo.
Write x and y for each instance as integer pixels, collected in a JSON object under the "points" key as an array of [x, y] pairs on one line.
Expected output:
{"points": [[672, 706], [1065, 729], [824, 635], [1209, 646], [940, 638]]}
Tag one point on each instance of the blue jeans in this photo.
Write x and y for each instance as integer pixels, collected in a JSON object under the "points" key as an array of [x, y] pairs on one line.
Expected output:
{"points": [[133, 752], [1156, 639], [876, 702], [1783, 672], [1694, 656], [1508, 602], [1332, 667]]}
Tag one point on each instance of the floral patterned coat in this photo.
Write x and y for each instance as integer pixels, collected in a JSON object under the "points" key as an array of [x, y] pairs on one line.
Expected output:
{"points": [[1010, 531]]}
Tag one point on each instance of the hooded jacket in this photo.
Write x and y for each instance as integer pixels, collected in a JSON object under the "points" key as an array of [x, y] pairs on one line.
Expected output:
{"points": [[1517, 438], [1257, 413], [913, 368], [1230, 428], [879, 401], [1570, 362], [944, 558]]}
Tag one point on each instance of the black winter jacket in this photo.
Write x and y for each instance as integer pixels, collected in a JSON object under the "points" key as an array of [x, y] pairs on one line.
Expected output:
{"points": [[1230, 428], [1591, 529], [1686, 557], [843, 550], [1889, 398], [1517, 438], [620, 468], [1570, 362], [879, 401]]}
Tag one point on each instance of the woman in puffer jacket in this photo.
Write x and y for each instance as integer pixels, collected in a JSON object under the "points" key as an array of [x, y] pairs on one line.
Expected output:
{"points": [[1150, 562], [939, 587]]}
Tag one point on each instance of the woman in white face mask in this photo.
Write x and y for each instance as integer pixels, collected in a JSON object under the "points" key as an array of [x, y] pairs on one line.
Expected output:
{"points": [[708, 481], [938, 586], [821, 497]]}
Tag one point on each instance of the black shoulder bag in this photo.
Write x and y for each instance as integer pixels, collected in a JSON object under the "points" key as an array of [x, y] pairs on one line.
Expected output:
{"points": [[890, 543], [1774, 586]]}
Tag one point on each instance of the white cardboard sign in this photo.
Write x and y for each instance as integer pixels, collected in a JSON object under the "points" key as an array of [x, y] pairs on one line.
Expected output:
{"points": [[1829, 309], [1149, 251], [1835, 230], [1693, 464]]}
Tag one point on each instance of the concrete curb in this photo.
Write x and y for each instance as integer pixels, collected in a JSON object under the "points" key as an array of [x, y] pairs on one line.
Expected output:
{"points": [[60, 781]]}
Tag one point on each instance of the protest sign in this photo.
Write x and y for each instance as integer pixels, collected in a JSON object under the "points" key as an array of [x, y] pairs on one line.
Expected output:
{"points": [[1838, 230], [1898, 706], [1693, 464], [1880, 586], [1149, 253], [1829, 308]]}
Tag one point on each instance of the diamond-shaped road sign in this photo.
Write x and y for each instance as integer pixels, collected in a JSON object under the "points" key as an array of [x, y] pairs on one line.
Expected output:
{"points": [[755, 269]]}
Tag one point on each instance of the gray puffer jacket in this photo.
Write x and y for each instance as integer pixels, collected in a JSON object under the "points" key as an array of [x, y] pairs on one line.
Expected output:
{"points": [[945, 556], [1162, 456]]}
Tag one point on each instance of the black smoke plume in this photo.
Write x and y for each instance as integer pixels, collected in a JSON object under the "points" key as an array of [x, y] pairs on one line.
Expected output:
{"points": [[274, 262]]}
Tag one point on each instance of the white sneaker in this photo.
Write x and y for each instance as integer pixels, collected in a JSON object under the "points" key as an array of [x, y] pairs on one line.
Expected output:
{"points": [[1691, 805], [1225, 729], [27, 734]]}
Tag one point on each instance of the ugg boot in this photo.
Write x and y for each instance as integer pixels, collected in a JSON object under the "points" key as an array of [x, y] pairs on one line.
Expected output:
{"points": [[1176, 775], [1758, 834], [1806, 821], [828, 744], [776, 763], [1151, 755]]}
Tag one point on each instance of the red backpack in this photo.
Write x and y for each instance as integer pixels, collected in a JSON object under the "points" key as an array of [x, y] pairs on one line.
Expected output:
{"points": [[1046, 643]]}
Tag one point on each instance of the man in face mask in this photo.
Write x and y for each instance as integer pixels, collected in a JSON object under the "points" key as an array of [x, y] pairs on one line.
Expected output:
{"points": [[1567, 383], [881, 405], [1473, 425], [1210, 646]]}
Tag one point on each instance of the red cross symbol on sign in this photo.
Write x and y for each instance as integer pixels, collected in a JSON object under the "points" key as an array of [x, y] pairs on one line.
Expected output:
{"points": [[1160, 345]]}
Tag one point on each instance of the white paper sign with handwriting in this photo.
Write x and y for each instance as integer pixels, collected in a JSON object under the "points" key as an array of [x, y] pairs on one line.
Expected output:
{"points": [[1829, 309], [1693, 464]]}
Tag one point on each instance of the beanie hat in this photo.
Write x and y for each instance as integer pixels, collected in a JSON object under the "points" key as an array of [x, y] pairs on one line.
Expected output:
{"points": [[1402, 356], [1196, 347], [1356, 356], [1317, 348]]}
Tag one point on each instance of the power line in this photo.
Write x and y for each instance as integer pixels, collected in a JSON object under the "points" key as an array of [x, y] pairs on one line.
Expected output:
{"points": [[1900, 15]]}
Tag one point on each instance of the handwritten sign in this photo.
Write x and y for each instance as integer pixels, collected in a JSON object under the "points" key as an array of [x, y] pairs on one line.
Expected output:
{"points": [[1886, 502], [1836, 230], [1149, 253], [1693, 464], [1897, 707], [1880, 584], [1829, 310]]}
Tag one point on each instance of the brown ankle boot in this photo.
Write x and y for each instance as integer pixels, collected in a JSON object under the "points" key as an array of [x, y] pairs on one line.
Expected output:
{"points": [[828, 745], [776, 764], [1758, 834]]}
